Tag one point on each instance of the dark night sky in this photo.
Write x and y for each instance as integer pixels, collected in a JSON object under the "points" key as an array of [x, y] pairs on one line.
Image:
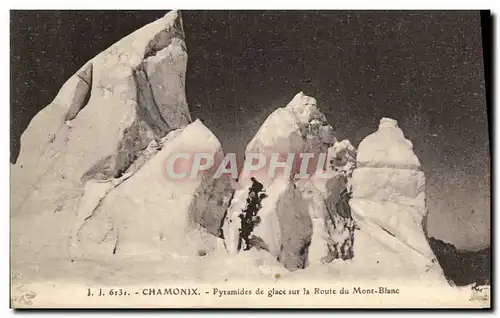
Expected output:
{"points": [[423, 68]]}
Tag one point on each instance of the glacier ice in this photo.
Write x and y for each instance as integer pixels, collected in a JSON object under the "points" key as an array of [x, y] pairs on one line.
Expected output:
{"points": [[90, 183]]}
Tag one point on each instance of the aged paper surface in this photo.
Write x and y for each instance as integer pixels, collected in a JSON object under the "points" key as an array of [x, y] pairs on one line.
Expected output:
{"points": [[249, 295], [69, 296], [300, 159]]}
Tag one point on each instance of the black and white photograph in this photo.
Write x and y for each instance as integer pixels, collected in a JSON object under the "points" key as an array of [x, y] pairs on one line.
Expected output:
{"points": [[250, 158]]}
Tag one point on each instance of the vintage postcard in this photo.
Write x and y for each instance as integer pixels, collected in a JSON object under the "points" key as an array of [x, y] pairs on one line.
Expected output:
{"points": [[249, 159]]}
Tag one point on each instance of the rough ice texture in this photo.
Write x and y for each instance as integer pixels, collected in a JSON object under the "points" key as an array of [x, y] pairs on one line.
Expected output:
{"points": [[339, 223], [89, 184], [106, 121], [315, 199], [268, 228], [285, 228], [286, 225], [388, 205], [210, 203], [296, 226], [342, 157], [333, 225], [298, 127]]}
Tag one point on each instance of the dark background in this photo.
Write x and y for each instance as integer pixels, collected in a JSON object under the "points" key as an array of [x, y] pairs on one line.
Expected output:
{"points": [[423, 68]]}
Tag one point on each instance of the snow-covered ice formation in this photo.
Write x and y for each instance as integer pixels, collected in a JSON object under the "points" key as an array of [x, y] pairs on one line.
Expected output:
{"points": [[299, 127], [285, 224], [388, 204], [149, 214], [89, 186], [333, 226], [89, 179], [342, 157]]}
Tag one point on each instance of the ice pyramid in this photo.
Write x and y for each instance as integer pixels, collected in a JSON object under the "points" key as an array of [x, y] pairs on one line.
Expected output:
{"points": [[388, 204]]}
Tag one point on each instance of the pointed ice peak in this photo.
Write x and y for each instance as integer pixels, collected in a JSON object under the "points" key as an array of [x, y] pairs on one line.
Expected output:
{"points": [[298, 127], [301, 99], [198, 124], [171, 16], [305, 109], [198, 136], [173, 19]]}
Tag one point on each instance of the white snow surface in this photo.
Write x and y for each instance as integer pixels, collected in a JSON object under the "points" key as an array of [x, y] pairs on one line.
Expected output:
{"points": [[387, 147], [388, 205], [148, 214], [73, 151], [300, 126], [104, 126], [137, 227], [286, 226]]}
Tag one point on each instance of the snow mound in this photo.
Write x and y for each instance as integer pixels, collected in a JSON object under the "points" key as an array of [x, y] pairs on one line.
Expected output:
{"points": [[387, 147]]}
